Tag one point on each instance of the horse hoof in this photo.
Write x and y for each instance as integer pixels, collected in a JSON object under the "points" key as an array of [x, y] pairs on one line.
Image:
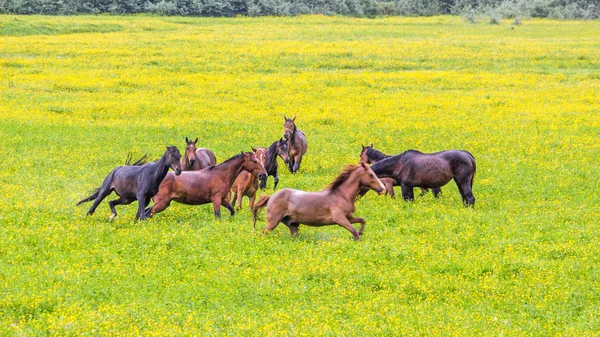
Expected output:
{"points": [[112, 217]]}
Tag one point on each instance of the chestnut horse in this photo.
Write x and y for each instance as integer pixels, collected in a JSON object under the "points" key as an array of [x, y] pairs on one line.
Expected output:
{"points": [[297, 143], [334, 205], [205, 186], [369, 155], [196, 158], [135, 182], [430, 170], [246, 184]]}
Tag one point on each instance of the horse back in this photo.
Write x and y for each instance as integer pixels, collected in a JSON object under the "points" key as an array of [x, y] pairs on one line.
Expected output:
{"points": [[206, 157]]}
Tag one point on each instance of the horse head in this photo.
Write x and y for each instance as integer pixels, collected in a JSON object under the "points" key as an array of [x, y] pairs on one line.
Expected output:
{"points": [[261, 155], [283, 150], [252, 165], [370, 180], [289, 127], [190, 151], [173, 159]]}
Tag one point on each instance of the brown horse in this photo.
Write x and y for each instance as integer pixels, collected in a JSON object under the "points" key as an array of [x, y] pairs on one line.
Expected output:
{"points": [[430, 170], [196, 158], [297, 143], [209, 185], [369, 155], [334, 205], [246, 184]]}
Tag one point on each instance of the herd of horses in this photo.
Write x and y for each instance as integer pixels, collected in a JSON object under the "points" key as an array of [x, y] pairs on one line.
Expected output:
{"points": [[196, 179]]}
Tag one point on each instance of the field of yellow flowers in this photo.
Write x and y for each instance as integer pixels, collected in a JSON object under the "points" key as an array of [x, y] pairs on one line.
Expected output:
{"points": [[78, 94]]}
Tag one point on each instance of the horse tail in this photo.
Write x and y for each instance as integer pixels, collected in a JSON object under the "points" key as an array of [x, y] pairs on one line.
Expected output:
{"points": [[472, 175], [94, 195], [260, 204]]}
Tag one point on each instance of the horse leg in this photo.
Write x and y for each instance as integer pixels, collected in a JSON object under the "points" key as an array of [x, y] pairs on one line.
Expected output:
{"points": [[407, 192], [103, 193], [424, 191], [252, 199], [216, 201], [465, 191], [272, 221], [362, 223], [159, 206], [297, 163], [143, 201], [229, 206], [276, 179], [436, 192], [113, 203], [390, 189], [342, 221]]}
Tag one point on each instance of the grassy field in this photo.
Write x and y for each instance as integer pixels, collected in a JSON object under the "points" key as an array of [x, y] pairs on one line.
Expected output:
{"points": [[77, 94]]}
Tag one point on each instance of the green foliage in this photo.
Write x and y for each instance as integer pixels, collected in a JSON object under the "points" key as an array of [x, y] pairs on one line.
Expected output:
{"points": [[562, 9]]}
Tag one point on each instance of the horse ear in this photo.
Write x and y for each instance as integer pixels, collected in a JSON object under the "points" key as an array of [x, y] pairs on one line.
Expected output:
{"points": [[186, 140], [253, 149], [294, 119], [364, 165], [196, 141], [371, 145], [284, 118], [363, 147]]}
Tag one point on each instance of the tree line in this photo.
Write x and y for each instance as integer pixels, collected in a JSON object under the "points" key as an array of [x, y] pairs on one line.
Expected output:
{"points": [[495, 9]]}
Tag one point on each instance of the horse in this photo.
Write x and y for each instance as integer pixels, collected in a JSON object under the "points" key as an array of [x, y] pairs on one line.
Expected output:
{"points": [[369, 155], [297, 143], [246, 184], [278, 148], [430, 170], [333, 205], [196, 158], [135, 182], [211, 184]]}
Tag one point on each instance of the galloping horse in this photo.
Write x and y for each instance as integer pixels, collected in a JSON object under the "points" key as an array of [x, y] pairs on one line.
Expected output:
{"points": [[369, 155], [297, 143], [196, 158], [135, 183], [430, 170], [209, 185], [334, 205]]}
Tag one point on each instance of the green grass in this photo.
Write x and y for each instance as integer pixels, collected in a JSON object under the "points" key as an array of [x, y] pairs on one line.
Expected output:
{"points": [[82, 93]]}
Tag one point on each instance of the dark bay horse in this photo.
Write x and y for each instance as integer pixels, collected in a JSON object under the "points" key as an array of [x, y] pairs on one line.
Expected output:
{"points": [[132, 183], [210, 185], [430, 170], [334, 205], [369, 155], [196, 158], [278, 148], [296, 141]]}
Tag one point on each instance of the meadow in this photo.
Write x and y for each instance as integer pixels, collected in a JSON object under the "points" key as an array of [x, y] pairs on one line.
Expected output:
{"points": [[78, 94]]}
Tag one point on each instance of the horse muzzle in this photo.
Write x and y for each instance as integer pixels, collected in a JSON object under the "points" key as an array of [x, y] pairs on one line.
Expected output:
{"points": [[380, 190], [177, 170]]}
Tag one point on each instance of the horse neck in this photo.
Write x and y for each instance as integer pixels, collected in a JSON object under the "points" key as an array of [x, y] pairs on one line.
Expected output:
{"points": [[161, 169], [231, 169], [386, 167], [376, 155], [271, 157], [349, 188], [293, 137]]}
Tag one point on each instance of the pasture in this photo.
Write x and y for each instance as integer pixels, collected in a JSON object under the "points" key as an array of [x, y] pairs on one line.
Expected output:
{"points": [[78, 94]]}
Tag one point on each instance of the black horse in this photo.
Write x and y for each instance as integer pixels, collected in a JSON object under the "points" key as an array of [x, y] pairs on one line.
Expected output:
{"points": [[278, 148], [369, 155], [430, 170], [135, 183]]}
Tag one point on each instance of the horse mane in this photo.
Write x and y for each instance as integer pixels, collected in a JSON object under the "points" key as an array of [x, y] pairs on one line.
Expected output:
{"points": [[226, 161], [376, 155], [271, 155], [387, 164], [348, 169]]}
